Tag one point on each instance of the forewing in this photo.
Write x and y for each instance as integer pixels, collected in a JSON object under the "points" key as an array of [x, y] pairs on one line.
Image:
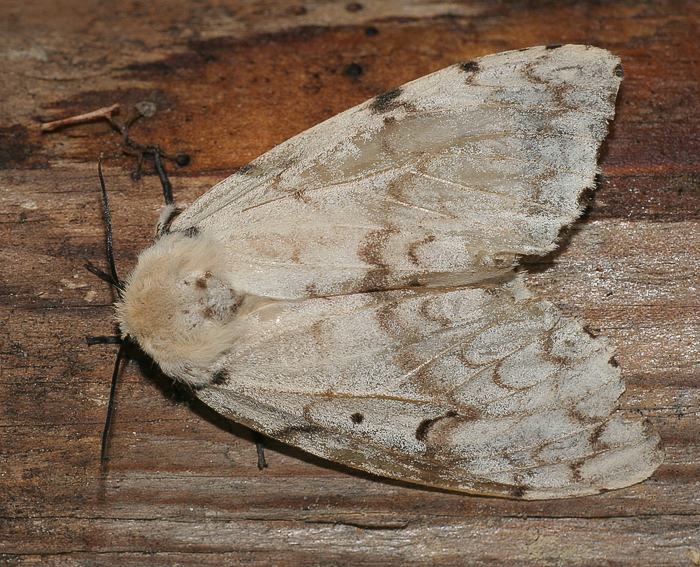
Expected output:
{"points": [[443, 181], [478, 390]]}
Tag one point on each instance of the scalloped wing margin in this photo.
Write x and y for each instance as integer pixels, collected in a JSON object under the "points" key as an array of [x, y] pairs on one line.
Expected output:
{"points": [[485, 391], [446, 180]]}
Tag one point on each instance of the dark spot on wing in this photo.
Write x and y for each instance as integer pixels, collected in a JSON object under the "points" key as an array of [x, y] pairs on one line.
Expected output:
{"points": [[385, 101], [236, 304], [353, 70], [16, 147], [292, 430], [425, 425], [578, 416], [201, 283], [354, 7], [357, 418], [300, 195], [413, 248], [191, 232], [469, 66], [377, 279], [220, 377], [245, 168], [387, 320], [371, 248], [594, 438], [618, 70], [518, 491], [613, 362], [371, 251], [575, 468], [371, 31], [553, 46], [311, 289], [589, 332]]}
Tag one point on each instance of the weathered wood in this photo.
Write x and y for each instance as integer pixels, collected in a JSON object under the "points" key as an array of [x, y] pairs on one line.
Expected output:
{"points": [[231, 80]]}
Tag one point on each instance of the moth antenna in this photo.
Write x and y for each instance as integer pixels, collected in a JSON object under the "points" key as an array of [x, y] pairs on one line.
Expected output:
{"points": [[104, 276], [107, 216], [110, 405]]}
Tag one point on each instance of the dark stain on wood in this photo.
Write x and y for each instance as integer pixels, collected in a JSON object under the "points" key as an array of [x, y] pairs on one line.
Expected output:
{"points": [[16, 147], [353, 70]]}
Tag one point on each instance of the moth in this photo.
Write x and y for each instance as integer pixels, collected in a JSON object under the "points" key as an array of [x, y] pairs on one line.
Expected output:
{"points": [[354, 291]]}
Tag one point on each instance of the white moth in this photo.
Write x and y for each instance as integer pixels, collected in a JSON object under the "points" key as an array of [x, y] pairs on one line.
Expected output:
{"points": [[352, 291]]}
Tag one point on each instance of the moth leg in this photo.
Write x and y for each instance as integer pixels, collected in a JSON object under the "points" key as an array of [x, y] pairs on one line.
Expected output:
{"points": [[136, 174], [260, 448]]}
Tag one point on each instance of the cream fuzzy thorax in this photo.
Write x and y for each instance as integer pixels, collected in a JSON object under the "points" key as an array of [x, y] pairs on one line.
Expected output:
{"points": [[179, 305]]}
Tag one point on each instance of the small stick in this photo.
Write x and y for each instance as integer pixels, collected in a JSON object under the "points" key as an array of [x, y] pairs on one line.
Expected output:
{"points": [[105, 113]]}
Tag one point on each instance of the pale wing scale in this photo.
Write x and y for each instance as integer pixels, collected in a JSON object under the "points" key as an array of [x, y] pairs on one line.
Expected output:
{"points": [[432, 387], [446, 180]]}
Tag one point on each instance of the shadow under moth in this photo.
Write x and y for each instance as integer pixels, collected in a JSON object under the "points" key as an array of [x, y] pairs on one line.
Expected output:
{"points": [[353, 291]]}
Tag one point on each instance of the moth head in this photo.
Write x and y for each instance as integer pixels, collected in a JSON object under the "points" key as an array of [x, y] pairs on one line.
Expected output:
{"points": [[178, 305]]}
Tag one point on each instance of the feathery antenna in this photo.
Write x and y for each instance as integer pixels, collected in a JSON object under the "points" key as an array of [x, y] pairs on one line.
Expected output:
{"points": [[111, 278], [131, 147], [110, 405], [107, 216]]}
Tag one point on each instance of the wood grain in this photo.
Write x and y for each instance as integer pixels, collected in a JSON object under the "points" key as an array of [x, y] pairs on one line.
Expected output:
{"points": [[231, 80]]}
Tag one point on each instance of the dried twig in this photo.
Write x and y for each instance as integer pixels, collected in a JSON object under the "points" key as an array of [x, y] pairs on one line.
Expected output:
{"points": [[129, 145], [104, 113]]}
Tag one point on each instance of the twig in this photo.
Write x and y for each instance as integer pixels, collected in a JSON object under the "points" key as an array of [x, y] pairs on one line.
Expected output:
{"points": [[129, 145], [104, 113]]}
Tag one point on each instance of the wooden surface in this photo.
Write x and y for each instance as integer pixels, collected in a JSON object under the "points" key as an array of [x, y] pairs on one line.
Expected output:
{"points": [[230, 80]]}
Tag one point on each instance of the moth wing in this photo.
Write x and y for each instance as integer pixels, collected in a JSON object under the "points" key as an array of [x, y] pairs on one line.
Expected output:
{"points": [[443, 181], [479, 390]]}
